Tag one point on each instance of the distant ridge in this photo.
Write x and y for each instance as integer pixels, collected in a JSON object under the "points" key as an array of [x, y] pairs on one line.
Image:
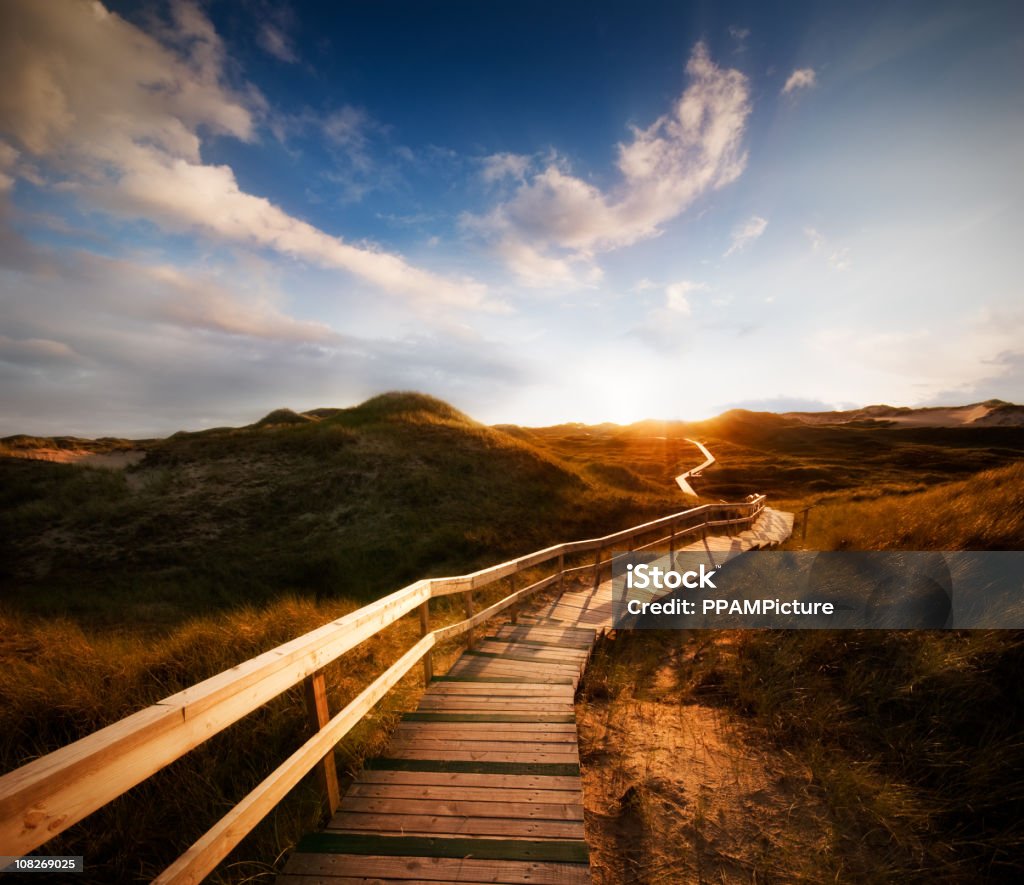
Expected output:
{"points": [[990, 413]]}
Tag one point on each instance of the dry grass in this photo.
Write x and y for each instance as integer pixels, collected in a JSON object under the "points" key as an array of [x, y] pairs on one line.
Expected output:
{"points": [[907, 746], [59, 682], [985, 512]]}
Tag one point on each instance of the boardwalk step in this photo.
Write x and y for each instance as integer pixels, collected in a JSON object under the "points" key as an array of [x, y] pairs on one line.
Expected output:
{"points": [[466, 766], [556, 851]]}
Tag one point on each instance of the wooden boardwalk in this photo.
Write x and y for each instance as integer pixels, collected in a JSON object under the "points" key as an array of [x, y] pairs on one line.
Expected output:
{"points": [[482, 783]]}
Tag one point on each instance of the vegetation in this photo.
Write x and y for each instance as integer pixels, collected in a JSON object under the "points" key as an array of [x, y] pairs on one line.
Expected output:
{"points": [[119, 587], [906, 745], [348, 503]]}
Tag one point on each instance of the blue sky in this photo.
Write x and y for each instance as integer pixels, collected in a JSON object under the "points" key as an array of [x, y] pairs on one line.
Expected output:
{"points": [[540, 212]]}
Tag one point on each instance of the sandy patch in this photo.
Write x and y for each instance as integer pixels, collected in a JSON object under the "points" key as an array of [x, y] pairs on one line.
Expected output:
{"points": [[110, 460], [681, 793]]}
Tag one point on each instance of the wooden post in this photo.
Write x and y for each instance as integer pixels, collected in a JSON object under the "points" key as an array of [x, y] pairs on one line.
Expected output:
{"points": [[597, 568], [319, 716], [428, 658], [467, 598], [561, 573], [515, 608]]}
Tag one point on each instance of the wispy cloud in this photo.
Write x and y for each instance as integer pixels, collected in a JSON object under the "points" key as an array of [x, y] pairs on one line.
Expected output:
{"points": [[275, 41], [677, 296], [740, 37], [838, 257], [118, 114], [746, 233], [549, 231], [801, 78], [500, 166]]}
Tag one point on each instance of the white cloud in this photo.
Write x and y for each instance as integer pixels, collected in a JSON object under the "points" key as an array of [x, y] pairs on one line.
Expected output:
{"points": [[838, 258], [275, 41], [35, 352], [801, 78], [692, 149], [118, 113], [500, 166], [909, 365], [746, 233], [99, 345], [676, 299]]}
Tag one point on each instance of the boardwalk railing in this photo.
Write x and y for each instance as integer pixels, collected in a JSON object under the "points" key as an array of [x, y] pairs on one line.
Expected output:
{"points": [[44, 797]]}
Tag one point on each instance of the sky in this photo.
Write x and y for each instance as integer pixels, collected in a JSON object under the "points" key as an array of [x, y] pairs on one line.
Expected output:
{"points": [[538, 212]]}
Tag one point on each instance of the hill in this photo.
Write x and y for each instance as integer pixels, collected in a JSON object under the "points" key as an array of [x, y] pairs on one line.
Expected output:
{"points": [[786, 458], [993, 412], [349, 502]]}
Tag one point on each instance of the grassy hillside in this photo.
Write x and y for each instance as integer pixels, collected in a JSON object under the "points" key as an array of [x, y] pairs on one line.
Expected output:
{"points": [[337, 503], [785, 458]]}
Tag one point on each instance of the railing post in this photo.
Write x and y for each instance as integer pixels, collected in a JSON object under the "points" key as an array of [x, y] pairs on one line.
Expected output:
{"points": [[561, 573], [597, 568], [428, 658], [319, 715], [467, 599], [515, 606]]}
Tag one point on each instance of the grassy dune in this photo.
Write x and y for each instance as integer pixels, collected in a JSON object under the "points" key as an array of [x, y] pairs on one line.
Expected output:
{"points": [[348, 503]]}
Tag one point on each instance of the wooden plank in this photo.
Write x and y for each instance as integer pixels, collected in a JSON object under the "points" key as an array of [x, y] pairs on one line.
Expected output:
{"points": [[461, 742], [486, 730], [515, 751], [522, 658], [495, 665], [564, 693], [503, 689], [399, 824], [533, 652], [498, 806], [498, 680], [470, 755], [558, 704], [484, 669], [548, 641], [466, 766], [554, 851], [438, 869], [288, 879], [532, 627], [490, 716], [438, 793], [482, 705], [456, 779], [319, 714]]}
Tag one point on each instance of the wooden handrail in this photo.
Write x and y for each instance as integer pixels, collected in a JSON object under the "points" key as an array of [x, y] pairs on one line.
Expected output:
{"points": [[50, 794]]}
